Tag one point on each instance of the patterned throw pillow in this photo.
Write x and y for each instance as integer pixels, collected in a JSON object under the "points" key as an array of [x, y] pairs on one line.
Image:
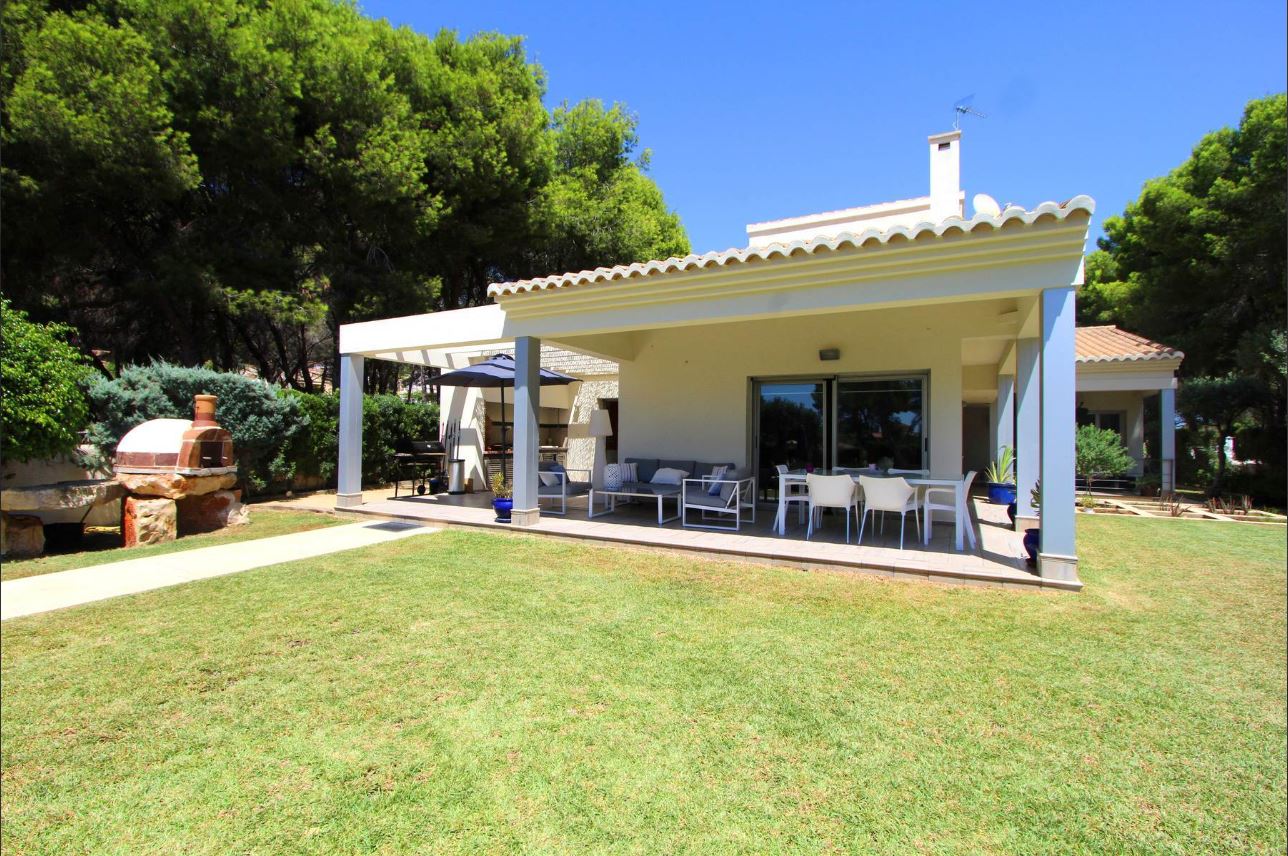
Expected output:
{"points": [[717, 473], [630, 473]]}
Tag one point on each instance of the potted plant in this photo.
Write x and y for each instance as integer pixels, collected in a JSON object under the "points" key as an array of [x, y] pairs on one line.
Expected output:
{"points": [[1033, 537], [502, 503], [1001, 477]]}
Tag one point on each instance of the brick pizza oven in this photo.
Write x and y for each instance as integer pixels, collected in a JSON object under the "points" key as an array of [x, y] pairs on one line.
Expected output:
{"points": [[196, 448]]}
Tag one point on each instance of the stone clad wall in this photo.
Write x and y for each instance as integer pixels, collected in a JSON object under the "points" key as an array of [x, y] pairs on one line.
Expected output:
{"points": [[581, 448]]}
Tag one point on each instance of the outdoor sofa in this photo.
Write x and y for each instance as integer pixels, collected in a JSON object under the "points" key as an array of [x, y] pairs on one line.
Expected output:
{"points": [[735, 496]]}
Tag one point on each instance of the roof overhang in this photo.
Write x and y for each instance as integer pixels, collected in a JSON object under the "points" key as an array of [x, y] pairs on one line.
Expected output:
{"points": [[1124, 375], [1015, 253]]}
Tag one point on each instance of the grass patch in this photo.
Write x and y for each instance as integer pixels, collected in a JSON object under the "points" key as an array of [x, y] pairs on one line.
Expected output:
{"points": [[103, 546], [471, 692]]}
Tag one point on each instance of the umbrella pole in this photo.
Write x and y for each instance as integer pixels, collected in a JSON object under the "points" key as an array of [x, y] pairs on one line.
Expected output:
{"points": [[505, 447]]}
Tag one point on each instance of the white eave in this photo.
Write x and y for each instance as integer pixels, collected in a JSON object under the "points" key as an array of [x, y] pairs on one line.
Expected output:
{"points": [[846, 242]]}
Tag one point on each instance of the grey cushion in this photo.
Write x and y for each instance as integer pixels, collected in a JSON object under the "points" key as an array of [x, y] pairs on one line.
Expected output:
{"points": [[574, 489], [696, 496], [686, 466], [645, 467]]}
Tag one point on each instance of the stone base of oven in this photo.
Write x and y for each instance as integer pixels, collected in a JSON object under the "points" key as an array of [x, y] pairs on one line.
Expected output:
{"points": [[149, 521], [211, 511], [174, 486]]}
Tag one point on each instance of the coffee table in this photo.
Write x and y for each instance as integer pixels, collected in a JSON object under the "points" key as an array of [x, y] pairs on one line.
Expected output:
{"points": [[660, 492]]}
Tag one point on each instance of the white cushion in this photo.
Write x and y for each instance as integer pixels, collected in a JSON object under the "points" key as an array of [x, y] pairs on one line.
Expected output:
{"points": [[549, 479], [669, 475], [717, 473]]}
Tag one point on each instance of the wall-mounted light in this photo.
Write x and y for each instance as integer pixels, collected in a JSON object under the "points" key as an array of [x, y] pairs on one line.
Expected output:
{"points": [[827, 354]]}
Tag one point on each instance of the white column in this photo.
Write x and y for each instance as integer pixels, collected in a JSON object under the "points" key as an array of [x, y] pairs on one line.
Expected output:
{"points": [[349, 466], [1028, 430], [527, 441], [1057, 556], [1004, 414], [1167, 442]]}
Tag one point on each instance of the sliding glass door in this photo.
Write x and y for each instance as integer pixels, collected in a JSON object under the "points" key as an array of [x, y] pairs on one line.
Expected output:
{"points": [[839, 422], [791, 424], [881, 420]]}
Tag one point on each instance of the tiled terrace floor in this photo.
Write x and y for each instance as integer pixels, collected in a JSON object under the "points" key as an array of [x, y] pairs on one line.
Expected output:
{"points": [[998, 559]]}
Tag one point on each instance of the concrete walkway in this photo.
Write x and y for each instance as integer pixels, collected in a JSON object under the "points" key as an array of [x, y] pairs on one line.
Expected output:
{"points": [[46, 592]]}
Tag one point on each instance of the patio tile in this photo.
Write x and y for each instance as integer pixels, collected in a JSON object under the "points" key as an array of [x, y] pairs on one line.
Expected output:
{"points": [[994, 562]]}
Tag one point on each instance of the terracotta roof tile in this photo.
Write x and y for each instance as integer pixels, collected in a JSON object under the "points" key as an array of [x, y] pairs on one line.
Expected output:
{"points": [[1109, 344], [843, 241]]}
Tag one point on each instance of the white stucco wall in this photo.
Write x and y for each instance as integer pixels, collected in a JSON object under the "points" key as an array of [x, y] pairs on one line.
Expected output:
{"points": [[687, 392]]}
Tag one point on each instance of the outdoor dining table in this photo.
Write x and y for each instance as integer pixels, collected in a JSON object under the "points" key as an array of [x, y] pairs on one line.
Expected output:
{"points": [[961, 519]]}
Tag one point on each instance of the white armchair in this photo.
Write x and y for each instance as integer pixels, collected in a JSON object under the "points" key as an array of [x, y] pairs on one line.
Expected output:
{"points": [[888, 494], [945, 499], [831, 492], [735, 497], [563, 488]]}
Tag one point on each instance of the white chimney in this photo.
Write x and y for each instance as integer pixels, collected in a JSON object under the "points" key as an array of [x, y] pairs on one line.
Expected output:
{"points": [[946, 197]]}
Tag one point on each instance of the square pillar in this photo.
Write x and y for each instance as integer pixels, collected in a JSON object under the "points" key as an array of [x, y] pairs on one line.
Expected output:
{"points": [[1004, 414], [1057, 555], [1028, 430], [527, 440], [349, 466], [1167, 440]]}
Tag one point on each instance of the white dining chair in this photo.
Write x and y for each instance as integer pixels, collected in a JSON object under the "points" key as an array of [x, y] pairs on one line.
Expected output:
{"points": [[945, 499], [888, 494], [793, 492], [831, 492]]}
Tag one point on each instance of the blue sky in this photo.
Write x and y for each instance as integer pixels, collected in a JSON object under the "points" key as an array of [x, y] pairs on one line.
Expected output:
{"points": [[756, 111]]}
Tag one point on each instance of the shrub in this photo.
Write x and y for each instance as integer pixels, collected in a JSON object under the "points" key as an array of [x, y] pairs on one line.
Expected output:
{"points": [[387, 420], [261, 422], [42, 403], [1099, 452]]}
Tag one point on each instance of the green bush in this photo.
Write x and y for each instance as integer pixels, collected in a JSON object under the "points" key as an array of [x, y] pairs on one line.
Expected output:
{"points": [[386, 420], [1100, 453], [42, 404], [261, 422]]}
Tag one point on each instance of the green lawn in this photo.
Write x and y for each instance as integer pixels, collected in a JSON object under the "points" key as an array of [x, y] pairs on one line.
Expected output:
{"points": [[468, 692], [100, 547]]}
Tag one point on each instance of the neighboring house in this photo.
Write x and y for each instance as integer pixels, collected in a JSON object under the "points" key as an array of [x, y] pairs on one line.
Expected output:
{"points": [[839, 338]]}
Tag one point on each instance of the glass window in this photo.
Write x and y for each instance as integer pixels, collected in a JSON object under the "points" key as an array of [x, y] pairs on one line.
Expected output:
{"points": [[879, 420], [792, 423]]}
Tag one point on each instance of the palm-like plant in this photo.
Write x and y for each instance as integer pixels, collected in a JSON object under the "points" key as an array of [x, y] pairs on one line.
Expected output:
{"points": [[1002, 470]]}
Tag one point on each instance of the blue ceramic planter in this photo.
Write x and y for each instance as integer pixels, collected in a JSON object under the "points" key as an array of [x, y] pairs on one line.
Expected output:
{"points": [[1001, 494], [503, 507], [1031, 541]]}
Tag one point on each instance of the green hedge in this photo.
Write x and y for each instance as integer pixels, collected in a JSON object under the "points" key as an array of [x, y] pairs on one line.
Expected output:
{"points": [[279, 435], [386, 419]]}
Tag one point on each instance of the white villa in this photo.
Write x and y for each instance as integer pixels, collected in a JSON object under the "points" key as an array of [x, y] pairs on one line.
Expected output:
{"points": [[905, 332]]}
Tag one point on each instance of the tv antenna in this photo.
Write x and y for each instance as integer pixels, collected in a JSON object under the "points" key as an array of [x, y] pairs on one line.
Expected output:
{"points": [[963, 108]]}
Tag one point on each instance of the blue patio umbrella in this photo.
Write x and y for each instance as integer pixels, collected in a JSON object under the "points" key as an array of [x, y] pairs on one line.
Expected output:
{"points": [[498, 372]]}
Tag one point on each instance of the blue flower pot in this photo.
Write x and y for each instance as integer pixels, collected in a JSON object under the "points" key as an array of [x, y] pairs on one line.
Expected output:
{"points": [[503, 507], [1001, 494], [1031, 541]]}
